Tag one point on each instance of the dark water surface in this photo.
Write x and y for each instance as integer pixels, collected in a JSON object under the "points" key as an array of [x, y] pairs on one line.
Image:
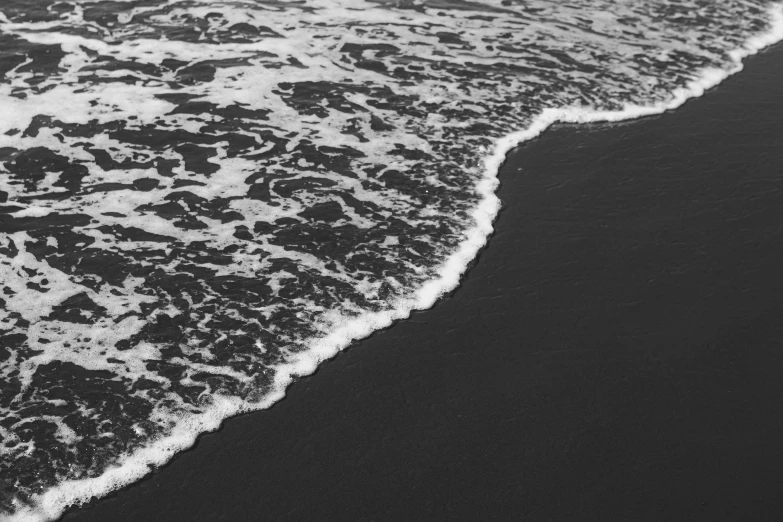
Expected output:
{"points": [[616, 353]]}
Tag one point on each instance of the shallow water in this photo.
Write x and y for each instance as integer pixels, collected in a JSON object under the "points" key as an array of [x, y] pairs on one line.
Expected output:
{"points": [[202, 199]]}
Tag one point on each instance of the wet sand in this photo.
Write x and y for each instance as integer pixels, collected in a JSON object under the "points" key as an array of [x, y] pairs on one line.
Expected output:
{"points": [[615, 353]]}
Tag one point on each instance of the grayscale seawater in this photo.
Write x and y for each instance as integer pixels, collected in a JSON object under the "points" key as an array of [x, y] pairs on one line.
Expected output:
{"points": [[200, 199]]}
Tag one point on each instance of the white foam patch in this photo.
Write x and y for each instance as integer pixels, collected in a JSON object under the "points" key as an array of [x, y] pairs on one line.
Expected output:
{"points": [[340, 330]]}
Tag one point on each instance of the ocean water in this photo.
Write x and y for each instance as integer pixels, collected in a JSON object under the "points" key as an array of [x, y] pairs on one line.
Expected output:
{"points": [[201, 200]]}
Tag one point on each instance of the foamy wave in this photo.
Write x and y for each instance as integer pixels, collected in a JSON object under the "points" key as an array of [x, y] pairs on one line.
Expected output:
{"points": [[334, 329]]}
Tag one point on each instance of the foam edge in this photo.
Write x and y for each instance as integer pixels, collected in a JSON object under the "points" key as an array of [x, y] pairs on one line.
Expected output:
{"points": [[51, 504]]}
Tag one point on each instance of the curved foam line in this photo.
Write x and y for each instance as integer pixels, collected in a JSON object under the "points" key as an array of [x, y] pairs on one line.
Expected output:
{"points": [[51, 504]]}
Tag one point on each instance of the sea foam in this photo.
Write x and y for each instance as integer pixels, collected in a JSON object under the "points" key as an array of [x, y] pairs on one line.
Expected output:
{"points": [[336, 328]]}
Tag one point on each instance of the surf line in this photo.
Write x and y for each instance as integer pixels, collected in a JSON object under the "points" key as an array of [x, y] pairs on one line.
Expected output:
{"points": [[51, 504]]}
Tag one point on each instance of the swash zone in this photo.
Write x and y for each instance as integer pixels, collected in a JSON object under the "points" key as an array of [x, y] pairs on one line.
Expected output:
{"points": [[192, 191]]}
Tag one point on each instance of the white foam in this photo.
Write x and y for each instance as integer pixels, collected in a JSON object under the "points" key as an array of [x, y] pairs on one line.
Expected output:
{"points": [[342, 331]]}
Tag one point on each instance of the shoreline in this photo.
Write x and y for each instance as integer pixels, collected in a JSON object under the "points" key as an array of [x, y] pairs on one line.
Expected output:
{"points": [[386, 337]]}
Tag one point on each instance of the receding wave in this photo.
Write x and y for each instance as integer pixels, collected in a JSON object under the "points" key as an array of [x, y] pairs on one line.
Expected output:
{"points": [[201, 200]]}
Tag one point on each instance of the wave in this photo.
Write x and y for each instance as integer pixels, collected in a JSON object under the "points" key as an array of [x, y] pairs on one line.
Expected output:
{"points": [[331, 329]]}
